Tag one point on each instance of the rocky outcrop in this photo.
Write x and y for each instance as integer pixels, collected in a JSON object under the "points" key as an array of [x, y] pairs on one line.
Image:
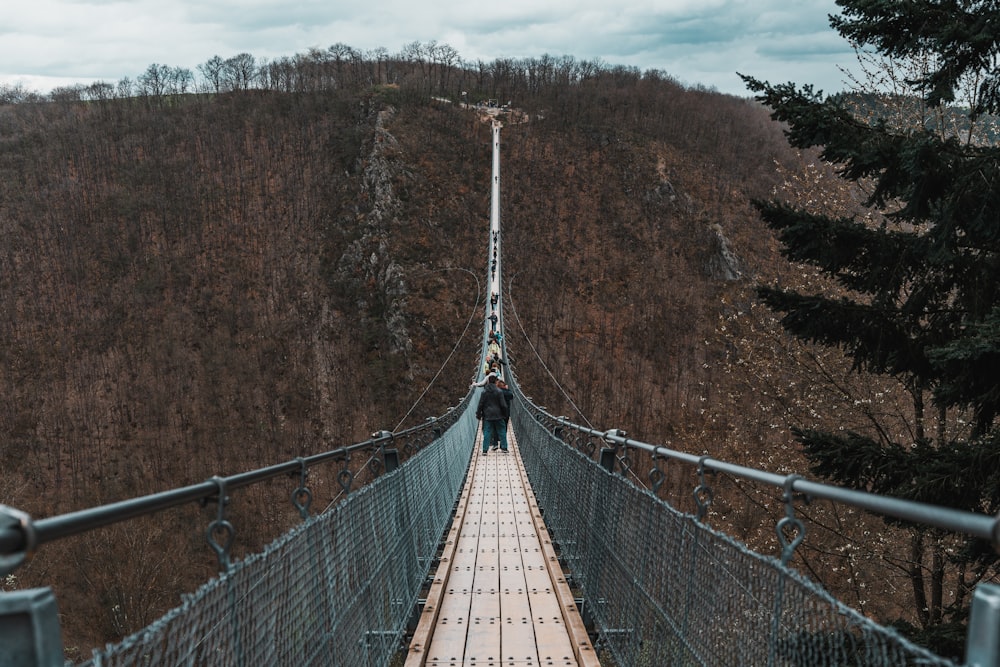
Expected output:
{"points": [[367, 265], [723, 264]]}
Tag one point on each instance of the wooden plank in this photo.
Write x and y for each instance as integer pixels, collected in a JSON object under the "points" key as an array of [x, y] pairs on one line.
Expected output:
{"points": [[517, 635], [417, 654], [571, 623], [498, 604], [552, 643], [483, 641]]}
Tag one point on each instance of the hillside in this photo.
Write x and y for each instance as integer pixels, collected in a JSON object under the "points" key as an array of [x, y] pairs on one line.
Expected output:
{"points": [[204, 284]]}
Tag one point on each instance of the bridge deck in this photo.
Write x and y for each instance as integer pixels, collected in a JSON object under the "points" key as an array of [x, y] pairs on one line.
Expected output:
{"points": [[498, 597]]}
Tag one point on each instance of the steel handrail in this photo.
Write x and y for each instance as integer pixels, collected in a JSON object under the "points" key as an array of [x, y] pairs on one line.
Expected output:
{"points": [[19, 537], [961, 521]]}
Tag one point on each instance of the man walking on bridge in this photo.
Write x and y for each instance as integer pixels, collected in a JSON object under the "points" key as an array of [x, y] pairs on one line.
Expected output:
{"points": [[493, 412]]}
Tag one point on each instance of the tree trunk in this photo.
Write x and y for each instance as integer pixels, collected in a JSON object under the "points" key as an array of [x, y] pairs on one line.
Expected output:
{"points": [[937, 582], [917, 579]]}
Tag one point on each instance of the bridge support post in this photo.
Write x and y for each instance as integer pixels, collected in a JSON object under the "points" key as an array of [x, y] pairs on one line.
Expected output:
{"points": [[982, 644], [608, 459], [391, 457], [29, 629]]}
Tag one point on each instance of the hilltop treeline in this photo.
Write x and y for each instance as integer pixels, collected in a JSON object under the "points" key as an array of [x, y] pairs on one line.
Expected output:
{"points": [[428, 68], [204, 274]]}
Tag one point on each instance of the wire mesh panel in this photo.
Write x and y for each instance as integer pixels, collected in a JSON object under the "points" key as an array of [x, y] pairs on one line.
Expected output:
{"points": [[664, 589], [336, 591]]}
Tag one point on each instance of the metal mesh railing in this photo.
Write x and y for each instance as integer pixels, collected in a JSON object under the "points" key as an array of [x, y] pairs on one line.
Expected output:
{"points": [[336, 590], [664, 589]]}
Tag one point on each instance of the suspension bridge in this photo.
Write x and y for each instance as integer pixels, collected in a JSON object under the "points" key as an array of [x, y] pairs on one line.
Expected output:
{"points": [[546, 555]]}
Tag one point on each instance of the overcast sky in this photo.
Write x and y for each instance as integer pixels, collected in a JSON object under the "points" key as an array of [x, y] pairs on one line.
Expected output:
{"points": [[46, 43]]}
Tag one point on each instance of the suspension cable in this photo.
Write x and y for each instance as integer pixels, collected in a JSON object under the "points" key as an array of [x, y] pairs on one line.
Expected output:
{"points": [[475, 308], [342, 493], [520, 326]]}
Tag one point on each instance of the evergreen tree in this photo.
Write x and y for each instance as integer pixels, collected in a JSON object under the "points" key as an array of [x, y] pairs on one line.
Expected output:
{"points": [[915, 279]]}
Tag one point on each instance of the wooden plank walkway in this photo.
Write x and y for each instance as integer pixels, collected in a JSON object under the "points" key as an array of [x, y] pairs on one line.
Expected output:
{"points": [[498, 598]]}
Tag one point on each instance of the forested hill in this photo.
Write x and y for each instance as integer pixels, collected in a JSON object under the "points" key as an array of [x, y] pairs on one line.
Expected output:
{"points": [[199, 284]]}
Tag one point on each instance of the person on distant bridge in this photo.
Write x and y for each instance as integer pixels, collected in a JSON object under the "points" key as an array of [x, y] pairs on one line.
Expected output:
{"points": [[493, 350], [496, 367], [489, 368], [494, 413], [508, 396]]}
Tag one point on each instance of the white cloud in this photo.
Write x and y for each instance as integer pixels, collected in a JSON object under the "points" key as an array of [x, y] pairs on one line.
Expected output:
{"points": [[695, 41]]}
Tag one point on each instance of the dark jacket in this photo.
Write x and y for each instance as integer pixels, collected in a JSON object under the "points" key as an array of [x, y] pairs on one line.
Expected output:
{"points": [[492, 404], [508, 396]]}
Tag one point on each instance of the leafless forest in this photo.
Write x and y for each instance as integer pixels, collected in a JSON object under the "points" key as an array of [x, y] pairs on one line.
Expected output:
{"points": [[205, 275]]}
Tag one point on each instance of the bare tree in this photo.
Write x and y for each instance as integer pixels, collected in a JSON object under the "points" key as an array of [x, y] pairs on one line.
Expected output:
{"points": [[15, 94], [212, 70], [449, 60], [124, 88], [99, 91], [240, 72], [279, 74], [379, 57], [179, 80], [72, 93], [153, 82], [344, 58]]}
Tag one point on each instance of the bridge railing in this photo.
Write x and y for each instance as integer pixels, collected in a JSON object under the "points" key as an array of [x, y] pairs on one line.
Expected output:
{"points": [[662, 587], [338, 589]]}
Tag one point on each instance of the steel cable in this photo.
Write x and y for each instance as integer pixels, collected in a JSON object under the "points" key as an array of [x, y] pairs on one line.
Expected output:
{"points": [[479, 296], [520, 326]]}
